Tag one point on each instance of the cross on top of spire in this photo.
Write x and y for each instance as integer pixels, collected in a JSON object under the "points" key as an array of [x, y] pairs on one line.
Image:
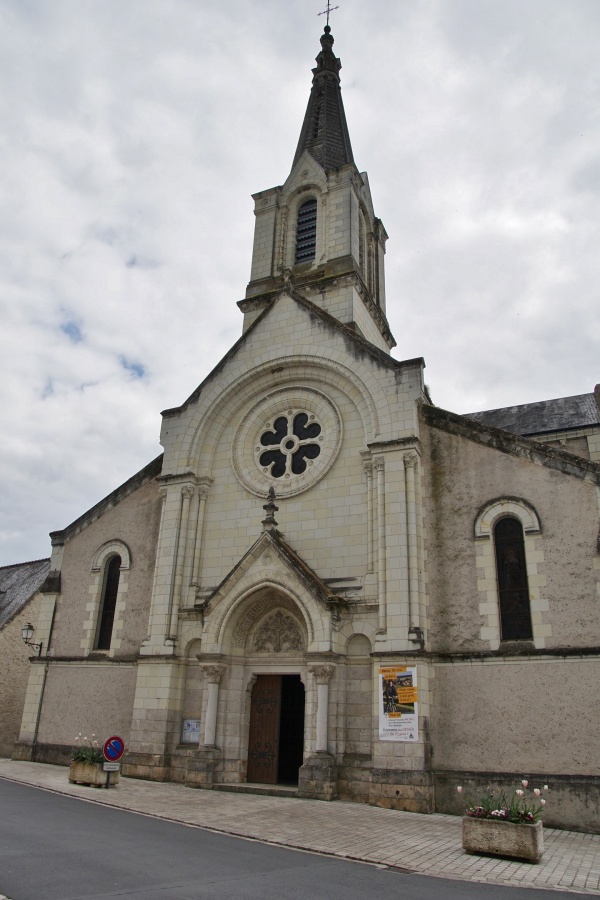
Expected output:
{"points": [[326, 12]]}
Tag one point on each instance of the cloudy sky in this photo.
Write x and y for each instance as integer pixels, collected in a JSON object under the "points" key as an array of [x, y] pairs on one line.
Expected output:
{"points": [[135, 131]]}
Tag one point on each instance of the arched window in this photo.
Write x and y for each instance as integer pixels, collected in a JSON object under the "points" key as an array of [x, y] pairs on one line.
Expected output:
{"points": [[513, 589], [306, 231], [108, 603]]}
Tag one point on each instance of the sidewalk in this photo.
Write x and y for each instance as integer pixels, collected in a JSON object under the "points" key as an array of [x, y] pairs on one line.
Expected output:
{"points": [[428, 845]]}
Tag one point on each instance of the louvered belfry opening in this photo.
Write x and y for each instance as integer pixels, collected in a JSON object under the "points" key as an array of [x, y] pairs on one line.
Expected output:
{"points": [[306, 232]]}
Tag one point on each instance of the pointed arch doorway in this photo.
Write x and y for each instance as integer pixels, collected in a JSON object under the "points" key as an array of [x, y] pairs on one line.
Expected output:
{"points": [[276, 736]]}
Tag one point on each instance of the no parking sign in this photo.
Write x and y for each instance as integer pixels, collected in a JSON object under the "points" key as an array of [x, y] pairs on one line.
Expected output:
{"points": [[114, 748]]}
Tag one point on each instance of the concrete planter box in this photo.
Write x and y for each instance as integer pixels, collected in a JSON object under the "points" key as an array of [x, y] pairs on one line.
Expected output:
{"points": [[497, 838], [91, 774]]}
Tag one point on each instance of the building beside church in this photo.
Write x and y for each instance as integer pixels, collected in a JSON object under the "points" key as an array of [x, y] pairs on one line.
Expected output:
{"points": [[19, 604], [326, 582]]}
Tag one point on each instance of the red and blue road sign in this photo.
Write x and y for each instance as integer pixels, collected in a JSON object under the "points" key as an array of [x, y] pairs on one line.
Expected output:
{"points": [[114, 748]]}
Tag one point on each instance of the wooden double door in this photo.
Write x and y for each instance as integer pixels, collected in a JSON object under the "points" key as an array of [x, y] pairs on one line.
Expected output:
{"points": [[276, 739]]}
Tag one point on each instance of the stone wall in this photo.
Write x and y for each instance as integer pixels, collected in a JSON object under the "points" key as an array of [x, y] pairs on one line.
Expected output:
{"points": [[15, 673], [506, 710]]}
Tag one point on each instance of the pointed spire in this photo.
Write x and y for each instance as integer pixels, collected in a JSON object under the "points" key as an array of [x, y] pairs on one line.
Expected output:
{"points": [[324, 131]]}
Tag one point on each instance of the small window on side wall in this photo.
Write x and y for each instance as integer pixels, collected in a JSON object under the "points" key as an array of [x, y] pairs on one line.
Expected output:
{"points": [[306, 232], [108, 603], [513, 589]]}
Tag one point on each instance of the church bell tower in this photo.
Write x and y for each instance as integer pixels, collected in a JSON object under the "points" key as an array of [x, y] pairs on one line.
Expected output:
{"points": [[317, 234]]}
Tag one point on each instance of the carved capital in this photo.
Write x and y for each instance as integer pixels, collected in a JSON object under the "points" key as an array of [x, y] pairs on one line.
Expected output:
{"points": [[410, 460], [367, 465], [187, 492], [162, 494], [322, 673], [213, 673], [378, 463], [204, 485]]}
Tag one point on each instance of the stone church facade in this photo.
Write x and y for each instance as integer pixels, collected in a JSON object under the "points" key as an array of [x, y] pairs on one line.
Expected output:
{"points": [[327, 583]]}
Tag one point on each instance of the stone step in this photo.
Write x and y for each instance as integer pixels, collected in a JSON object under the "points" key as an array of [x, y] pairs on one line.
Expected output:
{"points": [[268, 790]]}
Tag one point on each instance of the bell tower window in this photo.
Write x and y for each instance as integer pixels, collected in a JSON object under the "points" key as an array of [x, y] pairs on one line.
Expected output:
{"points": [[306, 231]]}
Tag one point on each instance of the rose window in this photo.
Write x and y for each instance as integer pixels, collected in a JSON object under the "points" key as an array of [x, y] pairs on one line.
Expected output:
{"points": [[291, 442], [287, 440]]}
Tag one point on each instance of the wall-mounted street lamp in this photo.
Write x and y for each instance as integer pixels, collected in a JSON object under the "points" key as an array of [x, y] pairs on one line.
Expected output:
{"points": [[416, 636], [27, 634]]}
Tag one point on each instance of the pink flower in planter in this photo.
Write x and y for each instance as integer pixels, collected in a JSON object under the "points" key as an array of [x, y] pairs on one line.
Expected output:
{"points": [[459, 790], [524, 783]]}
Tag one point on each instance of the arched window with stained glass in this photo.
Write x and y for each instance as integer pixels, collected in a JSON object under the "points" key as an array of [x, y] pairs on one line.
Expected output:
{"points": [[513, 587], [110, 589]]}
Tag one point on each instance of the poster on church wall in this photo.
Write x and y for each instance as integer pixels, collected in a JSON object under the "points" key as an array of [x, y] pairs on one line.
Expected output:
{"points": [[398, 703], [190, 731]]}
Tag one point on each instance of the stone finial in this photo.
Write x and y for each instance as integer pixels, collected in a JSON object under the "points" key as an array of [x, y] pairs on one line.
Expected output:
{"points": [[269, 523]]}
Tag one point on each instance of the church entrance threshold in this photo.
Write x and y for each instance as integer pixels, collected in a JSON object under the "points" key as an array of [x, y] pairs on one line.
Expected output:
{"points": [[276, 740]]}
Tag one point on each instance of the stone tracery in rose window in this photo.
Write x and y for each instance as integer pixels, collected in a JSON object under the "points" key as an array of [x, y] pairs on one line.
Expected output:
{"points": [[292, 440]]}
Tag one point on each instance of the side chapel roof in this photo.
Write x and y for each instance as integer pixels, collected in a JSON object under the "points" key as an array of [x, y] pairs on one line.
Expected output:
{"points": [[18, 584], [546, 416]]}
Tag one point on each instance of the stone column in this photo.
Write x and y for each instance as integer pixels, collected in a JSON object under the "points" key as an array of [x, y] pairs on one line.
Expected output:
{"points": [[213, 675], [317, 778], [203, 490], [162, 496], [368, 469], [187, 492], [410, 466], [322, 674], [379, 466]]}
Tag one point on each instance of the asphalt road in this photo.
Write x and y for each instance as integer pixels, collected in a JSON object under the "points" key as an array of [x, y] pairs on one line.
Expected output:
{"points": [[54, 847]]}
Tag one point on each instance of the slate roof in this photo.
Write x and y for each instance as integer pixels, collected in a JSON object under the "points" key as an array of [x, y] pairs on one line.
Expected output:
{"points": [[18, 583], [545, 417], [324, 130]]}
